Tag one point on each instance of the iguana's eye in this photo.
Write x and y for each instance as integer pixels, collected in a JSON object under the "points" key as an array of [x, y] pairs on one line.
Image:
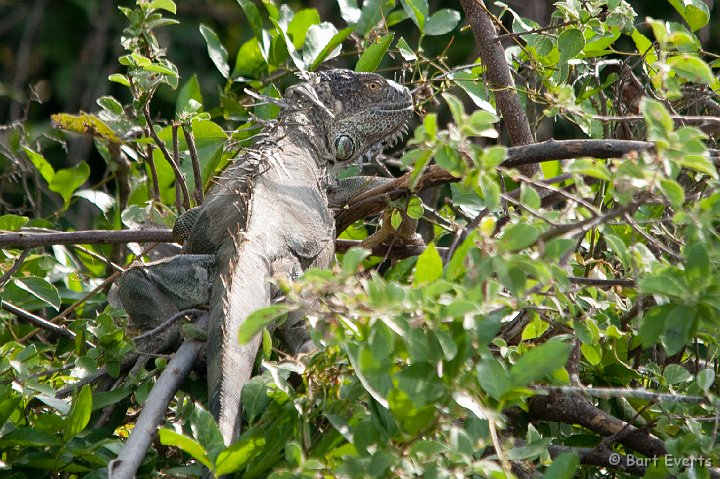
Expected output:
{"points": [[344, 147], [374, 85]]}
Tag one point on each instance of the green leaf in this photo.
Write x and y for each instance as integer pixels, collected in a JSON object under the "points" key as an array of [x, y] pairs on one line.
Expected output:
{"points": [[318, 38], [85, 124], [410, 419], [417, 10], [249, 61], [570, 43], [691, 68], [259, 319], [705, 379], [699, 163], [529, 197], [429, 266], [676, 374], [255, 397], [695, 12], [79, 415], [352, 259], [41, 164], [645, 47], [254, 18], [299, 26], [429, 122], [168, 5], [12, 222], [697, 265], [418, 159], [370, 14], [664, 282], [294, 54], [490, 191], [680, 328], [590, 168], [449, 159], [456, 108], [189, 98], [349, 10], [187, 445], [593, 354], [557, 248], [659, 122], [395, 219], [407, 53], [216, 51], [442, 22], [29, 437], [539, 362], [563, 466], [618, 246], [67, 180], [672, 321], [673, 192], [103, 399], [41, 289], [518, 236], [415, 209], [334, 43], [421, 383], [238, 455], [493, 378], [294, 454], [205, 430], [119, 78], [110, 104], [373, 55]]}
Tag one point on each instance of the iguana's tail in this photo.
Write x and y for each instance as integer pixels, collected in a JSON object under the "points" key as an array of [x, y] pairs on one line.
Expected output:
{"points": [[241, 287]]}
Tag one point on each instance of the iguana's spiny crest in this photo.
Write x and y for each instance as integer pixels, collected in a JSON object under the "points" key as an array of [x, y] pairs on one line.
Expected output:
{"points": [[363, 111]]}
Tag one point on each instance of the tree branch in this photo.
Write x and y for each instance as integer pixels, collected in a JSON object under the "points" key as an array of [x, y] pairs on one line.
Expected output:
{"points": [[154, 408], [499, 76], [575, 409], [27, 240], [37, 321]]}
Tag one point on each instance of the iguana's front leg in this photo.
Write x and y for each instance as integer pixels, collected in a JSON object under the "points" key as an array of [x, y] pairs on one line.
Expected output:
{"points": [[348, 188], [154, 292]]}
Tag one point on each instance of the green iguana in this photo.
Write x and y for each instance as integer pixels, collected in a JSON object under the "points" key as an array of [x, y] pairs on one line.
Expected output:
{"points": [[268, 214]]}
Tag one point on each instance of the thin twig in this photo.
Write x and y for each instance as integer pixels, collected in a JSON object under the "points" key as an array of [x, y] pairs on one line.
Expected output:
{"points": [[16, 265], [190, 140], [37, 320], [611, 393], [176, 159], [179, 179]]}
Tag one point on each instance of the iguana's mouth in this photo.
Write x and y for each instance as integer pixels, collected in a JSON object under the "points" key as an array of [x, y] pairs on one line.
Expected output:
{"points": [[392, 139]]}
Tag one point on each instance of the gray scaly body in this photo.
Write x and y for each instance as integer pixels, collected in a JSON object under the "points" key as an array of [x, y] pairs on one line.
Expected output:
{"points": [[268, 215]]}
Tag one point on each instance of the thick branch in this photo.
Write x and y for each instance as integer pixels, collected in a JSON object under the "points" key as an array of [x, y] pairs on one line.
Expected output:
{"points": [[499, 76], [155, 407], [600, 457], [375, 200], [27, 240], [575, 409]]}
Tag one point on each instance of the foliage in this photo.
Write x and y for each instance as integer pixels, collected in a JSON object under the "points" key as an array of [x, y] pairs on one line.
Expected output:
{"points": [[433, 365]]}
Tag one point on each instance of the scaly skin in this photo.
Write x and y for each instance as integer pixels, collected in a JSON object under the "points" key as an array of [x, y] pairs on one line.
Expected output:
{"points": [[268, 214]]}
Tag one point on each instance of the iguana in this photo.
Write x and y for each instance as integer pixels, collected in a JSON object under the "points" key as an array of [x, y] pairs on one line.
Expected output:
{"points": [[268, 214]]}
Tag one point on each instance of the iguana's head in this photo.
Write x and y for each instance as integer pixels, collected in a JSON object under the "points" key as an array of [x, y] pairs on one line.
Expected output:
{"points": [[363, 110]]}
